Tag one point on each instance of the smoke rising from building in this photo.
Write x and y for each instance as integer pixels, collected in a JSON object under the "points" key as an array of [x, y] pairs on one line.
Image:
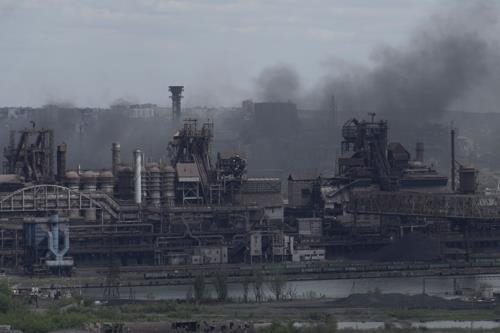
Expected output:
{"points": [[446, 58], [450, 62], [279, 83]]}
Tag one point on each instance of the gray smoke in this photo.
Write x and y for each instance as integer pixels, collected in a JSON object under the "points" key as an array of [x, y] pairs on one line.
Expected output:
{"points": [[279, 83], [450, 62], [448, 56]]}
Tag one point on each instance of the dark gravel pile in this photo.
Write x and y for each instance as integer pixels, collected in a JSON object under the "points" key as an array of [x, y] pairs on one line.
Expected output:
{"points": [[379, 300]]}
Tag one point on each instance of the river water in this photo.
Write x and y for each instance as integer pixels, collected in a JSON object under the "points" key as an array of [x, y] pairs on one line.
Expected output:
{"points": [[439, 286]]}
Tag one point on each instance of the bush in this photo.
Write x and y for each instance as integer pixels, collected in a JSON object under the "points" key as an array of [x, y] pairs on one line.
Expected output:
{"points": [[278, 328], [5, 303], [199, 287], [220, 285], [258, 282], [277, 285], [5, 297]]}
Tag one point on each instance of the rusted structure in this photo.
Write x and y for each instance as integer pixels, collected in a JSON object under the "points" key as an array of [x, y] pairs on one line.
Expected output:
{"points": [[201, 208], [30, 154]]}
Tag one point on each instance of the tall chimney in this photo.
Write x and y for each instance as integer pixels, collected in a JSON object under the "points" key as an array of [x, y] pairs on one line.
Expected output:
{"points": [[176, 101], [115, 157], [452, 134], [137, 176], [61, 161], [420, 152]]}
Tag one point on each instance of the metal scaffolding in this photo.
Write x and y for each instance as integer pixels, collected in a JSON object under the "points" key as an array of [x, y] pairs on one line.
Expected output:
{"points": [[438, 205]]}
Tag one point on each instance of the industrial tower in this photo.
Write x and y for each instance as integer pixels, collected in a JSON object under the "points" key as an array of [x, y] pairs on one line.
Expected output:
{"points": [[176, 97]]}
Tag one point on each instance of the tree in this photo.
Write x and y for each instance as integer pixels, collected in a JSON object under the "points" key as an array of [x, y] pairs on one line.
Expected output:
{"points": [[277, 285], [258, 283], [246, 284], [5, 297], [220, 285], [199, 287]]}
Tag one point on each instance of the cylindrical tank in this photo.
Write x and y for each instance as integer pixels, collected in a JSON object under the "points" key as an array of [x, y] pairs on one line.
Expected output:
{"points": [[72, 181], [105, 182], [138, 176], [419, 152], [168, 186], [467, 178], [88, 181], [154, 185], [125, 186], [61, 162]]}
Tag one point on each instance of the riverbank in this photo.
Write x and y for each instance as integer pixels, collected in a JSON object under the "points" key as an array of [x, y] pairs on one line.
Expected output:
{"points": [[150, 316], [148, 276], [372, 311]]}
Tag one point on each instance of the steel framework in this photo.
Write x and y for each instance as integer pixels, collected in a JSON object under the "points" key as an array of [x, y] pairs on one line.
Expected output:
{"points": [[55, 197], [438, 205]]}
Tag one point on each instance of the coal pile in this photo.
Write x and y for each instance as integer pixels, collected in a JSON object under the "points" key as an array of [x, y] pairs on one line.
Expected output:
{"points": [[421, 301], [411, 247]]}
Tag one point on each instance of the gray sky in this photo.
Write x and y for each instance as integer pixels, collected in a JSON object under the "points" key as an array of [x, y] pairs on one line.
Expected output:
{"points": [[92, 52]]}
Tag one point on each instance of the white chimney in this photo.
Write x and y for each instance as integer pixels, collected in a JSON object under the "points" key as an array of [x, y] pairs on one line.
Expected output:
{"points": [[137, 176]]}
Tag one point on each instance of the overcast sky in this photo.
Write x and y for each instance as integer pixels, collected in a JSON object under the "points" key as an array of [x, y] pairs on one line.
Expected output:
{"points": [[92, 52]]}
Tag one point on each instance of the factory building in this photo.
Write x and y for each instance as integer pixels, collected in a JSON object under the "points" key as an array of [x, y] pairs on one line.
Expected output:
{"points": [[202, 208]]}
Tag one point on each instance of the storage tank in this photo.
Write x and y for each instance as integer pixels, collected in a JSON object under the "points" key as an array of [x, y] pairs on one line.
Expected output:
{"points": [[168, 186], [468, 180], [153, 185], [72, 181], [88, 181], [105, 182]]}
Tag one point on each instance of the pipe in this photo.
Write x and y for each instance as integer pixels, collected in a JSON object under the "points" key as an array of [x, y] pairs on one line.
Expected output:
{"points": [[61, 161], [115, 157], [137, 176]]}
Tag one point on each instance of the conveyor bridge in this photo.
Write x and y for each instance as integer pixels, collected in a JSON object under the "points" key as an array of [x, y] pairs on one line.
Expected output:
{"points": [[436, 205]]}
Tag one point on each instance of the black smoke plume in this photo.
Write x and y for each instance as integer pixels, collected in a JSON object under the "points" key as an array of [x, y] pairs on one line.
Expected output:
{"points": [[448, 56], [279, 83]]}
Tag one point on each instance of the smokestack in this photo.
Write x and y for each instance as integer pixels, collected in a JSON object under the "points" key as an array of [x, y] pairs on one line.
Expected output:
{"points": [[115, 157], [420, 152], [453, 159], [176, 101], [61, 161], [137, 176]]}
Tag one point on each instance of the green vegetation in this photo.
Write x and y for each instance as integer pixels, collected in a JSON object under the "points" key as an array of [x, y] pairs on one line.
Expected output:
{"points": [[74, 312], [15, 312]]}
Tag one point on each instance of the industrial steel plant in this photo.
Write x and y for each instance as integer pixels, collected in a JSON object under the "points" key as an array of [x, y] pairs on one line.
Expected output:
{"points": [[201, 209]]}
